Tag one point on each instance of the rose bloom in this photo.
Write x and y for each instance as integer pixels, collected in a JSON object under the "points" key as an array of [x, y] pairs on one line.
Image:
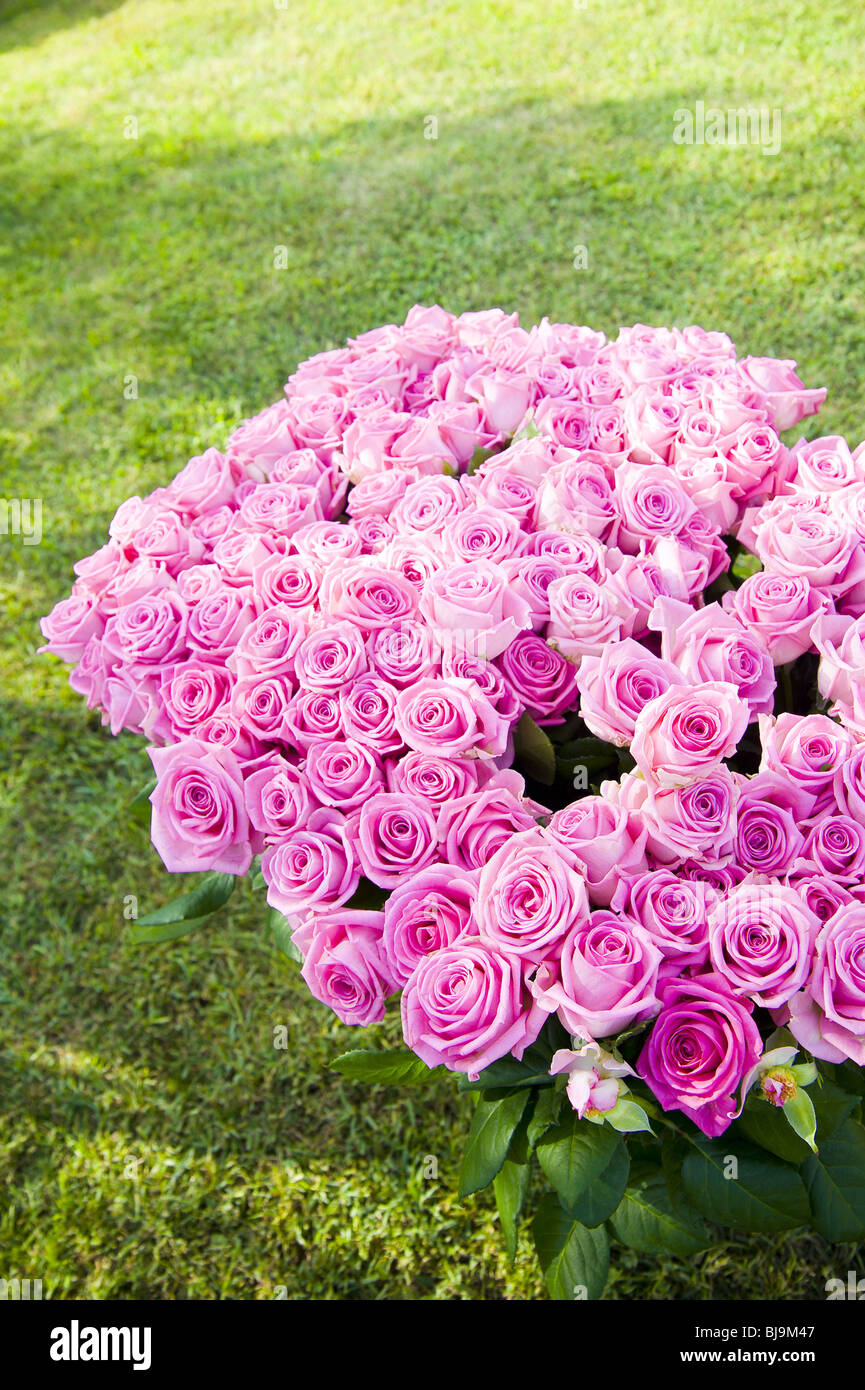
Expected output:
{"points": [[687, 731], [328, 659], [467, 1005], [402, 654], [278, 798], [312, 715], [586, 616], [529, 896], [780, 610], [368, 714], [428, 912], [615, 686], [343, 772], [841, 675], [682, 822], [473, 827], [343, 965], [673, 911], [199, 818], [822, 895], [313, 866], [805, 749], [367, 594], [449, 717], [711, 644], [601, 841], [836, 846], [701, 1045], [770, 812], [395, 837], [474, 600], [544, 682], [437, 780], [828, 1017], [605, 978], [760, 941]]}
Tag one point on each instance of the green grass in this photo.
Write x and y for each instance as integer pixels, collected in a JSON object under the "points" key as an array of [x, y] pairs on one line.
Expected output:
{"points": [[154, 1142]]}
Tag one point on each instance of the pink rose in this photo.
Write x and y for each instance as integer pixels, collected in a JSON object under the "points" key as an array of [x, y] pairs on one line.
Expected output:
{"points": [[605, 978], [615, 686], [473, 600], [343, 964], [395, 837], [199, 818], [343, 773], [529, 896], [700, 1047], [449, 717], [471, 828], [673, 911], [828, 1017], [430, 911], [780, 610], [602, 843], [710, 644], [760, 941], [687, 731], [314, 866], [467, 1005]]}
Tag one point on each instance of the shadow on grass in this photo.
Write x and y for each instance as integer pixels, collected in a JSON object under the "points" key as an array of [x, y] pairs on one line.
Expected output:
{"points": [[25, 23]]}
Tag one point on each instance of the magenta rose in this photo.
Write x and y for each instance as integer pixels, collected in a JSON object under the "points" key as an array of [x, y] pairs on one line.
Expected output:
{"points": [[673, 911], [544, 681], [199, 818], [467, 1005], [770, 812], [701, 1045]]}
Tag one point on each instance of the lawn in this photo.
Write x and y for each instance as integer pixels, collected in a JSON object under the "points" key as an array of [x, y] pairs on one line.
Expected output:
{"points": [[156, 156]]}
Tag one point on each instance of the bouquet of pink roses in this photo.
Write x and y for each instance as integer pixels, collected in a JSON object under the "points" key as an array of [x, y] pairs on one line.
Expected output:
{"points": [[526, 671]]}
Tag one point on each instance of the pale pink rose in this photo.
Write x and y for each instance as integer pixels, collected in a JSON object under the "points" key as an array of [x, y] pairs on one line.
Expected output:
{"points": [[69, 627], [615, 686], [780, 610], [711, 644], [473, 600], [806, 749], [199, 818], [586, 615], [602, 842], [529, 896], [686, 732], [777, 384]]}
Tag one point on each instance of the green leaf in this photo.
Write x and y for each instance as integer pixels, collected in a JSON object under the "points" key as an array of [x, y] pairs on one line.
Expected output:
{"points": [[835, 1179], [493, 1124], [185, 913], [762, 1193], [575, 1260], [546, 1112], [534, 752], [628, 1117], [766, 1125], [832, 1106], [140, 806], [745, 564], [591, 753], [647, 1220], [573, 1154], [511, 1074], [280, 928], [381, 1068], [511, 1184], [602, 1196]]}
